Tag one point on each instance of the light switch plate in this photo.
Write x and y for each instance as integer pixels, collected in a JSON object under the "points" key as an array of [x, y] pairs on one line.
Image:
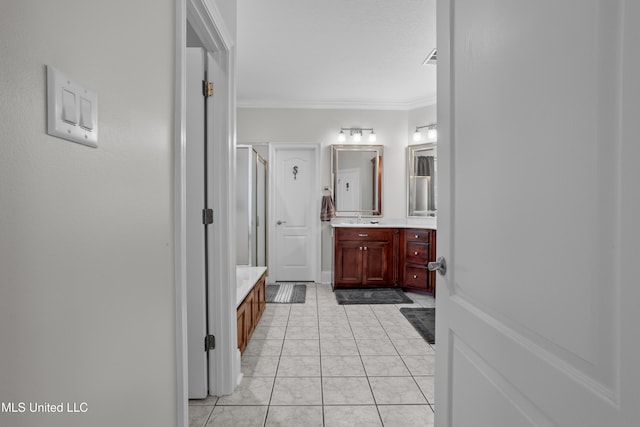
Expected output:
{"points": [[66, 102]]}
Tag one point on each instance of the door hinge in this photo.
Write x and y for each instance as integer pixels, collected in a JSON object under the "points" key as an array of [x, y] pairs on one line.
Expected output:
{"points": [[209, 342], [207, 88], [207, 216]]}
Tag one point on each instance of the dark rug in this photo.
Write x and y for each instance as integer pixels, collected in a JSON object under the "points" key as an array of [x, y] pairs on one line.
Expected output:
{"points": [[286, 293], [372, 296], [424, 320]]}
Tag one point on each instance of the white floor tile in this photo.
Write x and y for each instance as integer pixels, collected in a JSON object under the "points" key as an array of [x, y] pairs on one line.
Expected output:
{"points": [[351, 416], [294, 416], [238, 416], [297, 391], [346, 391], [321, 364]]}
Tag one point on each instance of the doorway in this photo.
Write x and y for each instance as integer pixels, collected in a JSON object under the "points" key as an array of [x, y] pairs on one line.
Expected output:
{"points": [[198, 18]]}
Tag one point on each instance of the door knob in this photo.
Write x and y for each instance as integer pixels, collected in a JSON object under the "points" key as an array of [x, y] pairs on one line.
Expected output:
{"points": [[281, 222], [440, 266]]}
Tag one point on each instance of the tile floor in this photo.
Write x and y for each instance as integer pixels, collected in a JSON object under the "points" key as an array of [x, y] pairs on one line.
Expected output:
{"points": [[320, 364]]}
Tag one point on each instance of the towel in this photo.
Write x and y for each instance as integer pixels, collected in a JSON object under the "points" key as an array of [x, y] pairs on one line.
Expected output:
{"points": [[424, 166], [328, 210]]}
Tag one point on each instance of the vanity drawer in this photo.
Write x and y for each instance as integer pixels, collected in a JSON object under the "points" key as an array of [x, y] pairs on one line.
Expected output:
{"points": [[415, 277], [369, 234], [417, 235], [417, 253]]}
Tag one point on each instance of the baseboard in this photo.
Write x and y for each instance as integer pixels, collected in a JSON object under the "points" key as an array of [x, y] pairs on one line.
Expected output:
{"points": [[325, 277]]}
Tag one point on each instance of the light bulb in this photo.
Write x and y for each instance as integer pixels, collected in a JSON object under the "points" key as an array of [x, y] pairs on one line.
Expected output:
{"points": [[372, 137], [341, 136], [357, 136], [417, 136], [432, 134]]}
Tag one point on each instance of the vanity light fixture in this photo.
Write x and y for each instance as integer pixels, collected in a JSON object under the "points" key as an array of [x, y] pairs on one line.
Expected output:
{"points": [[432, 132], [356, 134]]}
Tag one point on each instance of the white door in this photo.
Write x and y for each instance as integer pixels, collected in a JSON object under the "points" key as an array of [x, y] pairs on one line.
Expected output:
{"points": [[195, 236], [537, 314], [296, 203], [348, 191]]}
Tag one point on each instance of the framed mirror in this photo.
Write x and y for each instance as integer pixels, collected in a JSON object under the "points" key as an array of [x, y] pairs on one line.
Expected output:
{"points": [[356, 179], [422, 167]]}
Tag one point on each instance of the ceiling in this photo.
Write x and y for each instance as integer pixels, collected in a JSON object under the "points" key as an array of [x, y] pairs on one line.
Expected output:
{"points": [[335, 53]]}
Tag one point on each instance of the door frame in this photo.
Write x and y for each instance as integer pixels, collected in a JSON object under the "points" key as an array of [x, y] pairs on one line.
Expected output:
{"points": [[271, 206], [224, 365]]}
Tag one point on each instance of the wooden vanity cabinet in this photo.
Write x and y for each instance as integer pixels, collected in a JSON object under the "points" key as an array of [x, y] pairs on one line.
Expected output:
{"points": [[365, 257], [250, 311], [418, 249]]}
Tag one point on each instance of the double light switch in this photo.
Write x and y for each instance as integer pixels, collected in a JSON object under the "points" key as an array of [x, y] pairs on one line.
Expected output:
{"points": [[72, 110]]}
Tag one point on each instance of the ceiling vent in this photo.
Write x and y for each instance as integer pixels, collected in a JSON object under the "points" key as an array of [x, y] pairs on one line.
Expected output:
{"points": [[431, 59]]}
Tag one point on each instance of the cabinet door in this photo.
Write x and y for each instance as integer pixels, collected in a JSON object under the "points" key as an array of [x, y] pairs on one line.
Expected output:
{"points": [[431, 257], [348, 266], [251, 313], [417, 253], [375, 269], [417, 278], [255, 308], [261, 296], [242, 327]]}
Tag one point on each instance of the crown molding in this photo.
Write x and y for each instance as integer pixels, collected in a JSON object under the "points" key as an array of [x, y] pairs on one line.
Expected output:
{"points": [[336, 105]]}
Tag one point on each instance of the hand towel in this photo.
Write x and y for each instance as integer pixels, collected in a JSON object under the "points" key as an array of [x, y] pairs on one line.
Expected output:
{"points": [[328, 210]]}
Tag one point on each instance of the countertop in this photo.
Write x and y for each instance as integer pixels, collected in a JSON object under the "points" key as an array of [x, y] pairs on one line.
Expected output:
{"points": [[247, 277], [427, 223]]}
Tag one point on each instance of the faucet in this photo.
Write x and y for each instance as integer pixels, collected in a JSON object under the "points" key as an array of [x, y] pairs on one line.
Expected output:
{"points": [[359, 218]]}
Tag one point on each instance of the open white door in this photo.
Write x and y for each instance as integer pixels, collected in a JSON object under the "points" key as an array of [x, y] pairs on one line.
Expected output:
{"points": [[196, 245], [296, 219], [537, 121]]}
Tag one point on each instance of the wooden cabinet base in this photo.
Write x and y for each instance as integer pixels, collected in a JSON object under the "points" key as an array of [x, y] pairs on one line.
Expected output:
{"points": [[418, 248], [384, 257], [249, 312], [365, 257]]}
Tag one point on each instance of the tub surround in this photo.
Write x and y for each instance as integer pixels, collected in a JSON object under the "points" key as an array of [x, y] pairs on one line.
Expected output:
{"points": [[246, 278]]}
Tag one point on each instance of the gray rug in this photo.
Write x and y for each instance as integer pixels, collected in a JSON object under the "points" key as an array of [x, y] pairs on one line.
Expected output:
{"points": [[286, 293], [372, 296], [424, 320]]}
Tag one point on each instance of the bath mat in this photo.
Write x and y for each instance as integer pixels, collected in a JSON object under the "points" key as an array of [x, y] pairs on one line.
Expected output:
{"points": [[424, 320], [372, 296], [286, 293]]}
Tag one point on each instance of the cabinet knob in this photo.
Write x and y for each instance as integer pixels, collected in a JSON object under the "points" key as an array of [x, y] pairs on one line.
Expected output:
{"points": [[415, 276], [415, 253], [416, 236], [360, 247], [365, 248]]}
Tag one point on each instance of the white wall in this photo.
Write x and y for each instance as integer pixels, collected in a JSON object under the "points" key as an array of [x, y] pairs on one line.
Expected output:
{"points": [[393, 128], [86, 247], [421, 117]]}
